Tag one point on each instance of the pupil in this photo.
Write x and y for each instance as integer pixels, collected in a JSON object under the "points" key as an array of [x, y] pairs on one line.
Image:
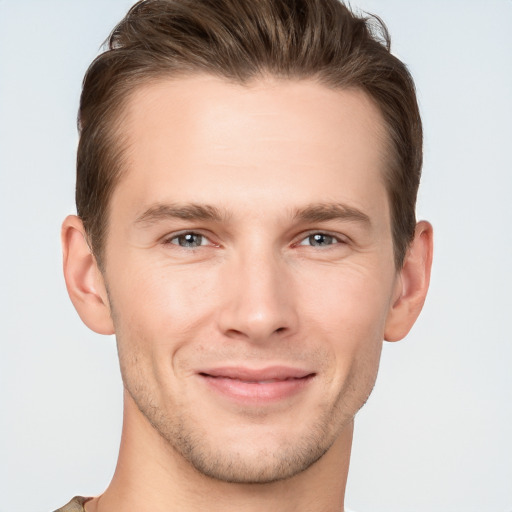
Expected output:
{"points": [[191, 240], [320, 239]]}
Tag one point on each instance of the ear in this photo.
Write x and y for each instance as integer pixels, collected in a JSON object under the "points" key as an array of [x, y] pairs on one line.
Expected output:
{"points": [[412, 284], [84, 280]]}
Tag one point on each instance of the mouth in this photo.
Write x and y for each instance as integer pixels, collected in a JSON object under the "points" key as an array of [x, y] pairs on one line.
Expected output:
{"points": [[257, 385]]}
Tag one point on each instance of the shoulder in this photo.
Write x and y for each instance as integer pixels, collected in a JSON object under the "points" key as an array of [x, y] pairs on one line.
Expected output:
{"points": [[75, 505]]}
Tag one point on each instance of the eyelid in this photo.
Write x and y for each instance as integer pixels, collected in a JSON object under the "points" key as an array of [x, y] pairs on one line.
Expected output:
{"points": [[339, 237], [167, 239]]}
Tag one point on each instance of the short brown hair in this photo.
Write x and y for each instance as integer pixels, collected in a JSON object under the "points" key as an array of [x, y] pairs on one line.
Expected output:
{"points": [[240, 40]]}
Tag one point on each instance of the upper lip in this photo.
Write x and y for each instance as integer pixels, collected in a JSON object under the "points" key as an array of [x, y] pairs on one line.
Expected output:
{"points": [[259, 374]]}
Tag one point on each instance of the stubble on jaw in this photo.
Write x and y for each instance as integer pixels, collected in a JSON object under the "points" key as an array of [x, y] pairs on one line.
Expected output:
{"points": [[190, 442], [224, 465]]}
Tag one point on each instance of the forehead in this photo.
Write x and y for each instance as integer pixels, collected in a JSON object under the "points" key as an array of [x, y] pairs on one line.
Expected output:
{"points": [[266, 144]]}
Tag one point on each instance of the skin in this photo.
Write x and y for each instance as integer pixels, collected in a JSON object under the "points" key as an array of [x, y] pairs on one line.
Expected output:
{"points": [[251, 229]]}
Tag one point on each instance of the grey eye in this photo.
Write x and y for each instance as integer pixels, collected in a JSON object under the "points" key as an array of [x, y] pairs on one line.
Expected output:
{"points": [[320, 240], [189, 240]]}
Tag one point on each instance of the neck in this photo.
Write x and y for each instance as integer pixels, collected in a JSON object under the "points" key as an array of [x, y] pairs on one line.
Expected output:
{"points": [[151, 475]]}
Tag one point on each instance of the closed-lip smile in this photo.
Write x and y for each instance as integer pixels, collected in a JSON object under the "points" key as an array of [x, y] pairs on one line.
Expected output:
{"points": [[268, 384]]}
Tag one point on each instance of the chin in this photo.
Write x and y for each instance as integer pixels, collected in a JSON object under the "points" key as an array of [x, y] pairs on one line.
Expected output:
{"points": [[263, 466], [257, 454]]}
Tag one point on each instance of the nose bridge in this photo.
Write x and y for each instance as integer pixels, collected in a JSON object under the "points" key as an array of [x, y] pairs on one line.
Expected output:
{"points": [[259, 303]]}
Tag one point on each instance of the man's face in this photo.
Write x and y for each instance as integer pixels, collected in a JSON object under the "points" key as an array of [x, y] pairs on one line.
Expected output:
{"points": [[250, 268]]}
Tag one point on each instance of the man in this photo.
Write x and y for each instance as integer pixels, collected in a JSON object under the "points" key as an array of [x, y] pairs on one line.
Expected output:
{"points": [[246, 182]]}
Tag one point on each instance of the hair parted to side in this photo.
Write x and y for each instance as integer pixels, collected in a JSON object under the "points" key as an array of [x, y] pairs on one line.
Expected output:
{"points": [[241, 40]]}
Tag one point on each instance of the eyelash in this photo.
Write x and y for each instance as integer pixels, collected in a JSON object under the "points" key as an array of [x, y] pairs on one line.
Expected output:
{"points": [[169, 240], [335, 239]]}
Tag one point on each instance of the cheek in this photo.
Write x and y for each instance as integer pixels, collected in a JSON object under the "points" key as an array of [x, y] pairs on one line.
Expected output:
{"points": [[159, 304], [156, 313], [347, 309], [347, 300]]}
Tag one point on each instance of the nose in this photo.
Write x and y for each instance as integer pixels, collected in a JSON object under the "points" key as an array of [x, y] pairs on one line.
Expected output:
{"points": [[258, 299]]}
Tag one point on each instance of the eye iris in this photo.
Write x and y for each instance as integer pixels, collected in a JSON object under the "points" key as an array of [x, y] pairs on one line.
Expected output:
{"points": [[320, 239], [190, 240]]}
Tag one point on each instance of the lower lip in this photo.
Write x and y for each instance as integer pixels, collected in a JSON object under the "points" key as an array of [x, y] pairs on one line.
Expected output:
{"points": [[259, 392]]}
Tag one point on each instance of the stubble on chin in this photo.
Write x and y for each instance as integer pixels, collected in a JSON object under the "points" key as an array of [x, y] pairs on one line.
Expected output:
{"points": [[282, 458], [256, 460]]}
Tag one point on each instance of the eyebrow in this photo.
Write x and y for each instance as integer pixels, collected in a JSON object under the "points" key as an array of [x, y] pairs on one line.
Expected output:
{"points": [[160, 212], [318, 212], [331, 211]]}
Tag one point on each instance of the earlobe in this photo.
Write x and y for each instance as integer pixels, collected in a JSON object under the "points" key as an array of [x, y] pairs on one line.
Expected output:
{"points": [[412, 284], [84, 280]]}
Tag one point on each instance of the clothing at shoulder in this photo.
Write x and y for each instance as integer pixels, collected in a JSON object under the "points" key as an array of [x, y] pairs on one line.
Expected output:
{"points": [[75, 505]]}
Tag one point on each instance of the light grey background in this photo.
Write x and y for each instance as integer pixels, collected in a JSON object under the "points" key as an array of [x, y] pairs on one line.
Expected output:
{"points": [[436, 434]]}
